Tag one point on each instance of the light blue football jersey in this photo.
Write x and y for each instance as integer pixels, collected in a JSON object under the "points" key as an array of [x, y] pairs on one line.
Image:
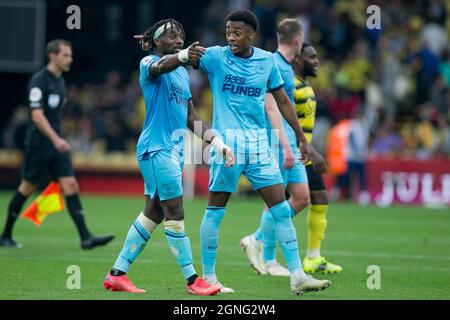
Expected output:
{"points": [[287, 74], [238, 87], [166, 101]]}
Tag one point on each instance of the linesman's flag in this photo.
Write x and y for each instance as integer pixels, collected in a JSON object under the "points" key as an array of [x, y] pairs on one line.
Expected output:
{"points": [[48, 202]]}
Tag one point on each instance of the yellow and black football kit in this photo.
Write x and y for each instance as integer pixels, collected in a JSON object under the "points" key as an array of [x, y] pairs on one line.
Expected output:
{"points": [[305, 107]]}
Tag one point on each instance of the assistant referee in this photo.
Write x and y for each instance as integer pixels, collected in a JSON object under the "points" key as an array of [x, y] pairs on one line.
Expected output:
{"points": [[45, 149]]}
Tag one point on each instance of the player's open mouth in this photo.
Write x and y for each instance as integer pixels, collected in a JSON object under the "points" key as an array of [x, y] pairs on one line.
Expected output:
{"points": [[234, 47]]}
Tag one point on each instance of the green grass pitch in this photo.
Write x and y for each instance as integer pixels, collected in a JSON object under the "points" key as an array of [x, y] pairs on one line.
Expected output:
{"points": [[411, 246]]}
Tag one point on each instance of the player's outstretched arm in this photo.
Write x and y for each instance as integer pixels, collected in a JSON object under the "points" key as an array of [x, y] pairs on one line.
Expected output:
{"points": [[275, 120], [170, 62], [287, 111], [40, 120], [207, 136]]}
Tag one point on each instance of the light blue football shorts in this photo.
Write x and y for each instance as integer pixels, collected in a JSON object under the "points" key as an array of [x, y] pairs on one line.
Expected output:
{"points": [[162, 172], [261, 169], [296, 174]]}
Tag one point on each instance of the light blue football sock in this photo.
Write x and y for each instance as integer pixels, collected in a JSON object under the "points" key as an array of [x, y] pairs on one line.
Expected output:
{"points": [[180, 246], [135, 242], [258, 234], [286, 235], [209, 238], [268, 236]]}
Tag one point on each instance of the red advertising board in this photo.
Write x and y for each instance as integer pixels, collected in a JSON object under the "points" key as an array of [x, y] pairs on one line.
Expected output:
{"points": [[409, 181]]}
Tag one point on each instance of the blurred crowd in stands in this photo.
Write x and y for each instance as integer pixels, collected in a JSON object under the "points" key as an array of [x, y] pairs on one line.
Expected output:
{"points": [[397, 77]]}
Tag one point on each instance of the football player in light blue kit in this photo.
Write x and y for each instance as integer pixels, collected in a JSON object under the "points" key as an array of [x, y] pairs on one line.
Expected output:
{"points": [[290, 39], [165, 85], [239, 76]]}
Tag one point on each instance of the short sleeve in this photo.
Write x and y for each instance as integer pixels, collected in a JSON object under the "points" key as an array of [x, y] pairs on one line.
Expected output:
{"points": [[36, 92], [208, 59], [146, 63], [275, 81]]}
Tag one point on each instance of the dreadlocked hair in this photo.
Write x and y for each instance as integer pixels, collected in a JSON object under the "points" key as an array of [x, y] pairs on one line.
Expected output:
{"points": [[146, 39]]}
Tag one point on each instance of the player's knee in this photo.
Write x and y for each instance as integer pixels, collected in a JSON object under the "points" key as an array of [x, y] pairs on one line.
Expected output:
{"points": [[303, 202], [281, 212], [274, 196], [319, 198], [174, 212], [70, 187], [218, 199], [155, 214], [300, 201], [74, 188]]}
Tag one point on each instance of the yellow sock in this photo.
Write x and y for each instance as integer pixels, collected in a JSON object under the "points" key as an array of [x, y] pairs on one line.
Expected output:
{"points": [[317, 223]]}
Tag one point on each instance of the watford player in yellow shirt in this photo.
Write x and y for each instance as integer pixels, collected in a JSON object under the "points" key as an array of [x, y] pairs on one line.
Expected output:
{"points": [[305, 65]]}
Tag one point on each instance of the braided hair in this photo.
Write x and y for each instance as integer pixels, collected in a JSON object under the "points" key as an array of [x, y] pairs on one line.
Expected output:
{"points": [[146, 39]]}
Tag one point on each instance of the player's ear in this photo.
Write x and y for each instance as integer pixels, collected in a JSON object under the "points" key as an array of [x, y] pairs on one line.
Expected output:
{"points": [[298, 41], [252, 34], [51, 56]]}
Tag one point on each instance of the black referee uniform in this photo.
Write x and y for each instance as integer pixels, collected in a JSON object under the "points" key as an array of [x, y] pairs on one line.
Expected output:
{"points": [[47, 92]]}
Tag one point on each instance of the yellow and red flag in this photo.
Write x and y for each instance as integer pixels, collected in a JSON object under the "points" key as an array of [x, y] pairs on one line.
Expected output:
{"points": [[48, 202]]}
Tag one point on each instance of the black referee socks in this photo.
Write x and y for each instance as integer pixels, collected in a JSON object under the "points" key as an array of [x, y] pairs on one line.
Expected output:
{"points": [[15, 206], [76, 212]]}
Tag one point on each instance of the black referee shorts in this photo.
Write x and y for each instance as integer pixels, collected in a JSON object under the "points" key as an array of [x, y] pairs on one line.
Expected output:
{"points": [[40, 160], [315, 181]]}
